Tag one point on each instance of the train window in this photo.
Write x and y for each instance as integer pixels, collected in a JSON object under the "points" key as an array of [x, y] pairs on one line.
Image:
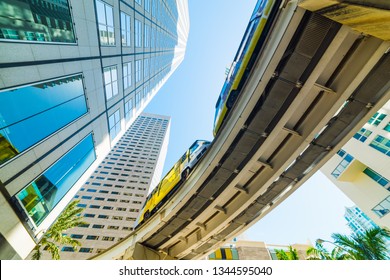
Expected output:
{"points": [[183, 158], [194, 147]]}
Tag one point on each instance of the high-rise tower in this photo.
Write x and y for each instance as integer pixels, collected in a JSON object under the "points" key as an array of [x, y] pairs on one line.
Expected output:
{"points": [[116, 191], [74, 75]]}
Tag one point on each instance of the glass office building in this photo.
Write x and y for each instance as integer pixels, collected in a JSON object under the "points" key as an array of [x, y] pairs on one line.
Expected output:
{"points": [[74, 75]]}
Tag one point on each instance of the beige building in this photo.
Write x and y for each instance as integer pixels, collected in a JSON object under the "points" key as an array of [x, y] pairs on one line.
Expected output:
{"points": [[361, 168], [255, 250]]}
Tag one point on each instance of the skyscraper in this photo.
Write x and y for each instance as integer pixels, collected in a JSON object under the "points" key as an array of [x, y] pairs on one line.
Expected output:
{"points": [[361, 168], [357, 221], [116, 191], [74, 75]]}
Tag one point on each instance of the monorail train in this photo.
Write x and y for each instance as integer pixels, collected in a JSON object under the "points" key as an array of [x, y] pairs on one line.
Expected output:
{"points": [[255, 34], [173, 180]]}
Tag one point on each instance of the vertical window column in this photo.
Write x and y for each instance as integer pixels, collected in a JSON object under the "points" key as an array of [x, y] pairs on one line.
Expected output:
{"points": [[138, 33], [106, 23], [129, 109], [127, 75], [125, 29], [138, 70], [114, 122], [110, 81]]}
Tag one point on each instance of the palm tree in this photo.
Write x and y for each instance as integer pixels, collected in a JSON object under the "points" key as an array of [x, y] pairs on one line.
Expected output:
{"points": [[370, 245], [319, 252], [69, 218], [291, 254]]}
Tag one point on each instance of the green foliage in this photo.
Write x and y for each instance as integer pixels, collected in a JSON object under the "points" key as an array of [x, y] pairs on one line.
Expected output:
{"points": [[291, 254], [320, 253], [368, 246], [54, 236]]}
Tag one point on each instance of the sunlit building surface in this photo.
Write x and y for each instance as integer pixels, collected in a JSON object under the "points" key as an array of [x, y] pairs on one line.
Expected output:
{"points": [[361, 168], [74, 75]]}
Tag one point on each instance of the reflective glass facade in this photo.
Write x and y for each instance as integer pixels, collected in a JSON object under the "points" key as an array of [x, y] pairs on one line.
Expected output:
{"points": [[33, 20], [31, 113], [43, 194]]}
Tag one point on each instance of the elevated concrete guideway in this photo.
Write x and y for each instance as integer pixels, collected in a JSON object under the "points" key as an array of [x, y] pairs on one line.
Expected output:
{"points": [[314, 84]]}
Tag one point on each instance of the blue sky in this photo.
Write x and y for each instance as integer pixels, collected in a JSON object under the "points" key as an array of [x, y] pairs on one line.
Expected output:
{"points": [[189, 96]]}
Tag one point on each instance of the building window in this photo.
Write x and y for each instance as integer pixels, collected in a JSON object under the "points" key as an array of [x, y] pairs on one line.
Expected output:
{"points": [[42, 195], [125, 30], [147, 36], [103, 217], [114, 124], [377, 118], [85, 250], [87, 215], [146, 68], [67, 249], [108, 238], [382, 208], [377, 178], [387, 127], [76, 236], [106, 23], [127, 75], [80, 205], [138, 70], [382, 144], [137, 99], [138, 33], [113, 227], [29, 111], [362, 135], [92, 237], [44, 23], [342, 165], [154, 7], [98, 226], [129, 109], [110, 81], [83, 225], [147, 6]]}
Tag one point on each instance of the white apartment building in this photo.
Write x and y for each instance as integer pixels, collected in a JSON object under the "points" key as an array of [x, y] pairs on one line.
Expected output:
{"points": [[361, 168]]}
